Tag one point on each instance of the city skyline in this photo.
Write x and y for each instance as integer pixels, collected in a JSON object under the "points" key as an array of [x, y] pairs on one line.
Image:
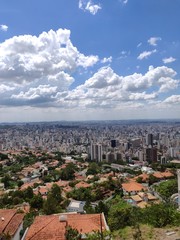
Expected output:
{"points": [[89, 60]]}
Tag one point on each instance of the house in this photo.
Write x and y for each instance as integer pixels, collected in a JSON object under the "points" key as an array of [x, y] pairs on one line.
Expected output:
{"points": [[52, 227], [11, 223], [82, 184], [76, 206], [132, 188]]}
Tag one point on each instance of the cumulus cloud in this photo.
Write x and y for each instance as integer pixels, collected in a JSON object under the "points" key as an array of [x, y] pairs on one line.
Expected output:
{"points": [[88, 5], [106, 60], [142, 96], [38, 71], [175, 99], [106, 89], [168, 60], [51, 55], [5, 88], [42, 91], [153, 41], [146, 54], [3, 27]]}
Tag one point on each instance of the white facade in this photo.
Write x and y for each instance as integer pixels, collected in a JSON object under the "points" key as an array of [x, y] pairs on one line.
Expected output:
{"points": [[96, 152]]}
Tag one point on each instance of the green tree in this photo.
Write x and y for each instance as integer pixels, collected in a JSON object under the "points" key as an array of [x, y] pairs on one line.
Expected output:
{"points": [[167, 189], [51, 205], [68, 172], [36, 202], [159, 215], [102, 207], [56, 192], [28, 193], [6, 180], [121, 214], [72, 234], [93, 169], [152, 179]]}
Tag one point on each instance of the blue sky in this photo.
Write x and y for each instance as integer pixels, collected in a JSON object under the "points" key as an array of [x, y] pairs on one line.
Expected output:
{"points": [[89, 60]]}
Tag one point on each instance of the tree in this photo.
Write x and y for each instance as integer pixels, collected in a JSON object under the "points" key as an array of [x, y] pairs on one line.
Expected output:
{"points": [[28, 193], [152, 179], [20, 183], [167, 189], [68, 172], [6, 180], [159, 215], [93, 169], [102, 207], [55, 174], [72, 234], [56, 192], [37, 202], [51, 205], [121, 214]]}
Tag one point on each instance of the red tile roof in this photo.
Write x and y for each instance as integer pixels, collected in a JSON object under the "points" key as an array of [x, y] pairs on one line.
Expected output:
{"points": [[132, 186], [10, 221], [82, 184], [51, 228]]}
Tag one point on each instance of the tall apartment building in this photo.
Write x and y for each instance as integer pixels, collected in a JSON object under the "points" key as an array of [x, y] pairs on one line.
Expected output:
{"points": [[149, 139], [96, 152], [151, 155]]}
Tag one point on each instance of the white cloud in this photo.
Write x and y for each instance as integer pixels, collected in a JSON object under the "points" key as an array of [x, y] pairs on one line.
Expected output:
{"points": [[38, 71], [168, 60], [3, 27], [173, 99], [26, 59], [88, 5], [139, 44], [142, 96], [106, 60], [4, 88], [167, 84], [42, 91], [146, 54], [123, 1], [103, 78], [153, 41]]}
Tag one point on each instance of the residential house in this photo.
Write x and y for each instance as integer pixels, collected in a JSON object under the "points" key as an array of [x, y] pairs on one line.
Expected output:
{"points": [[76, 206], [11, 223], [51, 227], [132, 188]]}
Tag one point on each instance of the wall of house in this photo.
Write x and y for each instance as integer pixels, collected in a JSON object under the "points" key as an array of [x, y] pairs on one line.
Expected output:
{"points": [[17, 234]]}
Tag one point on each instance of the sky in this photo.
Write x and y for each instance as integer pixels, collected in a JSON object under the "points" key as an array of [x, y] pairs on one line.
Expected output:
{"points": [[89, 60]]}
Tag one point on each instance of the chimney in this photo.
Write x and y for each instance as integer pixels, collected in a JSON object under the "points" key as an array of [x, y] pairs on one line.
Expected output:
{"points": [[63, 218]]}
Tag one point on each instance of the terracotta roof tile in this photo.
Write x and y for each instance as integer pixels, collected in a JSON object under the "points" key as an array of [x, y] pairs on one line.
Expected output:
{"points": [[46, 227], [10, 221], [14, 224], [5, 217], [51, 228], [82, 184], [132, 186]]}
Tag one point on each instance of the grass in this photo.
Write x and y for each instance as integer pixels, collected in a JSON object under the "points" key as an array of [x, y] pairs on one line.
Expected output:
{"points": [[145, 232]]}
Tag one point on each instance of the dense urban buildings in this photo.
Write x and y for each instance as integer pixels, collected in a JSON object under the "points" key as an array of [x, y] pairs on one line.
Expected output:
{"points": [[102, 141]]}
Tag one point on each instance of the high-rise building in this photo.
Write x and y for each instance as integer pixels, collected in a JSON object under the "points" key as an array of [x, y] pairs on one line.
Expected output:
{"points": [[151, 155], [113, 143], [149, 139], [96, 152]]}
